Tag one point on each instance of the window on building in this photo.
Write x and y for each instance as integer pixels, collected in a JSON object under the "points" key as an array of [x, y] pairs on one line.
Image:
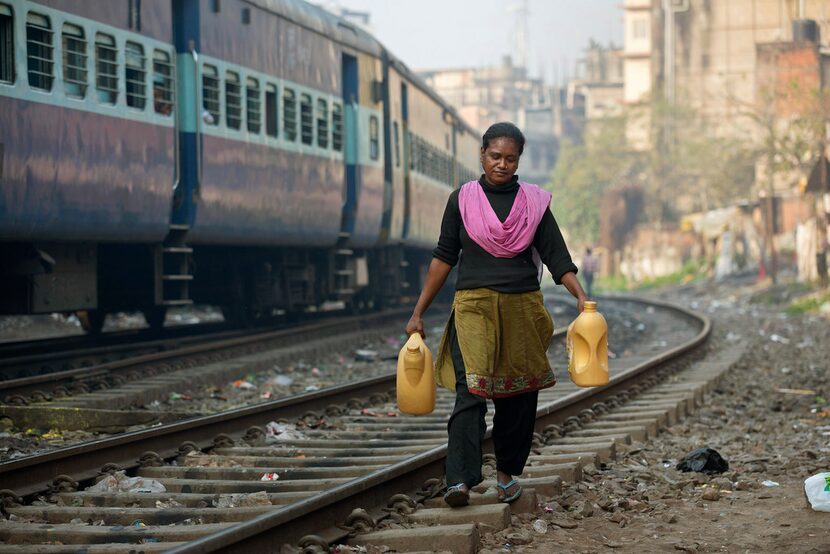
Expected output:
{"points": [[322, 123], [397, 145], [74, 60], [289, 114], [162, 83], [106, 68], [639, 28], [135, 75], [210, 95], [6, 44], [337, 126], [253, 105], [306, 120], [39, 51], [233, 100], [271, 110], [374, 138]]}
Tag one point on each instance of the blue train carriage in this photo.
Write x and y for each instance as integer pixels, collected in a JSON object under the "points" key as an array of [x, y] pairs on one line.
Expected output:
{"points": [[291, 177], [432, 152], [87, 153]]}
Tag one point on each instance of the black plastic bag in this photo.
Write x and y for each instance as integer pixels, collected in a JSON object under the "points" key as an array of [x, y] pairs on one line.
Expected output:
{"points": [[703, 460]]}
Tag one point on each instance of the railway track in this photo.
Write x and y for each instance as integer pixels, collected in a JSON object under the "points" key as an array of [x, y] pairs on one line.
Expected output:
{"points": [[60, 387], [238, 482]]}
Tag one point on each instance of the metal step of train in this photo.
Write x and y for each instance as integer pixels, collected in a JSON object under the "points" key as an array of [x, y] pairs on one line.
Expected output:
{"points": [[173, 273]]}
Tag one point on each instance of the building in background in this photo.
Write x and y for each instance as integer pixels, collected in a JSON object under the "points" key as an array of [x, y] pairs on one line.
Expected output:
{"points": [[748, 69], [486, 95]]}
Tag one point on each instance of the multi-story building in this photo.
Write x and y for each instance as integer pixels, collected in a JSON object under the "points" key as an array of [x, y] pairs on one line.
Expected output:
{"points": [[486, 95], [703, 54]]}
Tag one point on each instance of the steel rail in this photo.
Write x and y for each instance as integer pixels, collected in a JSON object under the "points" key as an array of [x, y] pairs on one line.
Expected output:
{"points": [[28, 385], [267, 532]]}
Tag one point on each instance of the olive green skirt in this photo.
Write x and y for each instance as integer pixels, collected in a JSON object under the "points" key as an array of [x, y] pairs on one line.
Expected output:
{"points": [[503, 337]]}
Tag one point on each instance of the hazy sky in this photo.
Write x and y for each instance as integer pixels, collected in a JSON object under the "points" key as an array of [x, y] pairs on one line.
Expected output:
{"points": [[429, 34]]}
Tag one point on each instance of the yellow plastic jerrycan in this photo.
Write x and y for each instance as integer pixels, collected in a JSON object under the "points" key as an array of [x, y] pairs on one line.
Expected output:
{"points": [[416, 384], [588, 348]]}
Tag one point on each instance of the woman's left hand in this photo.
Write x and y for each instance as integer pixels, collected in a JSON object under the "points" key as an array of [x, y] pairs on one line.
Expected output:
{"points": [[580, 303]]}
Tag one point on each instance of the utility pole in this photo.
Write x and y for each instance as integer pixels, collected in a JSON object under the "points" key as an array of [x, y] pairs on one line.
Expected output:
{"points": [[521, 35]]}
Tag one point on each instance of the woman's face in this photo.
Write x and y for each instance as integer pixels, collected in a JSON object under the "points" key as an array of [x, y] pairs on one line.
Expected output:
{"points": [[500, 160]]}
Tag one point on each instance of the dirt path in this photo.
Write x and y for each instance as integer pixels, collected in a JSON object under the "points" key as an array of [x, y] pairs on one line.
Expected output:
{"points": [[641, 503]]}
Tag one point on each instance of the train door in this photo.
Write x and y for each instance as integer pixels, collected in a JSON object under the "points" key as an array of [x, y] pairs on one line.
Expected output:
{"points": [[343, 277], [406, 158], [173, 257], [351, 139]]}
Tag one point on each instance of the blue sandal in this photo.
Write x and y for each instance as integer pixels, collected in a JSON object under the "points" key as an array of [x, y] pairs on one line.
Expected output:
{"points": [[457, 495], [513, 497]]}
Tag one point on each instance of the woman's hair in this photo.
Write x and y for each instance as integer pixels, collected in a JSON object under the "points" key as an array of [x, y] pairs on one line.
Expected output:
{"points": [[504, 129]]}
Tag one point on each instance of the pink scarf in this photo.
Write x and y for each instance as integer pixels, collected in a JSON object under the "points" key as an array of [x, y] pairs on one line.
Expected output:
{"points": [[515, 235]]}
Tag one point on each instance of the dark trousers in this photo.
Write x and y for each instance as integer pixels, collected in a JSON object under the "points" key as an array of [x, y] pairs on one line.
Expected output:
{"points": [[512, 428], [589, 284]]}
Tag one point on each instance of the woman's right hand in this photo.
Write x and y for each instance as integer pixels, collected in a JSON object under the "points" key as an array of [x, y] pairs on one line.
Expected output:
{"points": [[415, 325]]}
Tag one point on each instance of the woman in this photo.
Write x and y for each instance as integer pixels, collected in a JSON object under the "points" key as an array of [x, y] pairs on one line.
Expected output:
{"points": [[495, 342]]}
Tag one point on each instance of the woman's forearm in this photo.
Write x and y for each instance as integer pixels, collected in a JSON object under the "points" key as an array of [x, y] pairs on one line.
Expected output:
{"points": [[436, 277], [572, 284]]}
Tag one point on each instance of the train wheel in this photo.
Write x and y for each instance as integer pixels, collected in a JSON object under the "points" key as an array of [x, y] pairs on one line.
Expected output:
{"points": [[155, 316], [92, 321]]}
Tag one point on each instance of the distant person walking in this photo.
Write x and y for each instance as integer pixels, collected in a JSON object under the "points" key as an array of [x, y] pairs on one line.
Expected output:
{"points": [[499, 231], [589, 269]]}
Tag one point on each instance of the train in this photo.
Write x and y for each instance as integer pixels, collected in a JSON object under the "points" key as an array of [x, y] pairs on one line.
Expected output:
{"points": [[263, 156]]}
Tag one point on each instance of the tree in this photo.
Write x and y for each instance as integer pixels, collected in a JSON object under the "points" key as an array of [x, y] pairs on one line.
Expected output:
{"points": [[686, 163], [584, 171]]}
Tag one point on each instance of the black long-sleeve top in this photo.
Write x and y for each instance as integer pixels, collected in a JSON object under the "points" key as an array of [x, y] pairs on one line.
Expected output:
{"points": [[479, 268]]}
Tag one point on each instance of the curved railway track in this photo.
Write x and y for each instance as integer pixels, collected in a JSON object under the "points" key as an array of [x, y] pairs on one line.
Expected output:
{"points": [[342, 448]]}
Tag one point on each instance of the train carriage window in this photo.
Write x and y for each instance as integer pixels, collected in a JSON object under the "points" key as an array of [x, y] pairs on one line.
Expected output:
{"points": [[6, 44], [74, 61], [106, 68], [135, 75], [374, 143], [289, 114], [162, 83], [233, 100], [271, 110], [337, 127], [253, 105], [306, 120], [322, 123], [39, 51], [396, 138], [210, 94]]}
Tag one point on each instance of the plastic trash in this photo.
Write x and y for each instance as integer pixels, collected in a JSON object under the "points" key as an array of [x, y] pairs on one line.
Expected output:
{"points": [[540, 526], [281, 380], [365, 355], [242, 384], [768, 483], [817, 489], [275, 432], [242, 500], [119, 482], [703, 460], [270, 477]]}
